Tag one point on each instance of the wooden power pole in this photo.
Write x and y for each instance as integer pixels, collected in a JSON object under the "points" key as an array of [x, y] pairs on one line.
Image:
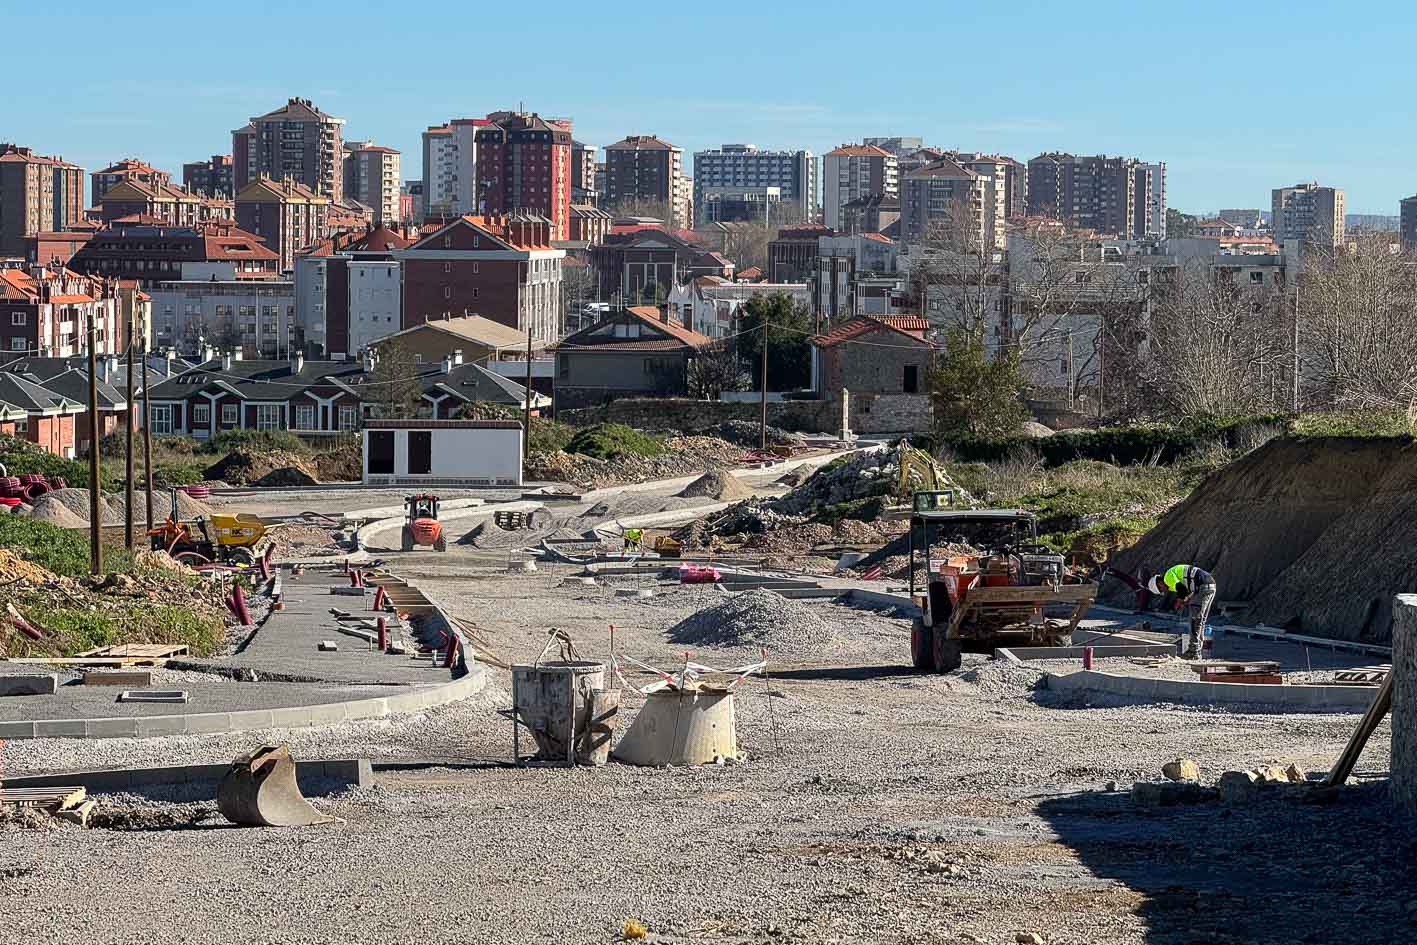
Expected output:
{"points": [[147, 433], [128, 442], [95, 519], [526, 409], [763, 394]]}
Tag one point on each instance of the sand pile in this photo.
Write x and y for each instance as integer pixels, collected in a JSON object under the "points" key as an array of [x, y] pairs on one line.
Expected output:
{"points": [[758, 619], [13, 568], [69, 508], [1315, 533], [716, 485]]}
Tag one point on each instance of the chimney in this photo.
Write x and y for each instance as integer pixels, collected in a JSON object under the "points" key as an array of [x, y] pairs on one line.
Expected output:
{"points": [[447, 364], [369, 359], [238, 354], [457, 357], [299, 361], [226, 361], [110, 367], [208, 353]]}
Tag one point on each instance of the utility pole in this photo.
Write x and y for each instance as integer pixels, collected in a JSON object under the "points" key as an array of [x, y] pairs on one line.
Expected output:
{"points": [[526, 425], [1298, 286], [763, 399], [128, 443], [147, 433], [95, 520]]}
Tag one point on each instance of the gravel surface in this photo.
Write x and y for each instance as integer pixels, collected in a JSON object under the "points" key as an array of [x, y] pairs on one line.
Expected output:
{"points": [[877, 805]]}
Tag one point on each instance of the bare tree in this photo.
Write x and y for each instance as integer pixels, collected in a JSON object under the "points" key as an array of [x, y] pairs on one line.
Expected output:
{"points": [[1356, 307], [715, 369], [661, 210]]}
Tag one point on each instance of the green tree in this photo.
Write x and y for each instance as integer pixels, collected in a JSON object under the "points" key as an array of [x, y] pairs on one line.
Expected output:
{"points": [[972, 393], [395, 388], [1179, 225], [788, 332]]}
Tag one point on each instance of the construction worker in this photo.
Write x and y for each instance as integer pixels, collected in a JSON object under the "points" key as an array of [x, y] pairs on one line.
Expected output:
{"points": [[1194, 588], [633, 537]]}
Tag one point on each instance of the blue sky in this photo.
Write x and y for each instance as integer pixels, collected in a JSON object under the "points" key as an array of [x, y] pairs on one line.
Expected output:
{"points": [[1236, 98]]}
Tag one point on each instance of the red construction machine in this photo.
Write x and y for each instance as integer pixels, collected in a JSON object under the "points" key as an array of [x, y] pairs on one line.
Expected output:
{"points": [[421, 526]]}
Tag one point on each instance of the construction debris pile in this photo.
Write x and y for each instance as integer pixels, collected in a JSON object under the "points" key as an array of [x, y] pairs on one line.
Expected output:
{"points": [[301, 540], [746, 433], [858, 488], [683, 456], [758, 619]]}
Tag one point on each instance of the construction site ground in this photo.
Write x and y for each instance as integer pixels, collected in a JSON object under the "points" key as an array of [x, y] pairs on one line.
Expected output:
{"points": [[876, 804]]}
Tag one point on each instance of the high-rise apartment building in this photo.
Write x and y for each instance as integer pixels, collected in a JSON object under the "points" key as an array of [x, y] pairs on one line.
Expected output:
{"points": [[1307, 213], [1407, 223], [1011, 173], [211, 178], [286, 214], [524, 165], [1122, 197], [296, 141], [371, 176], [646, 168], [853, 171], [583, 189], [896, 144], [740, 173], [950, 201], [450, 168], [37, 195], [127, 169]]}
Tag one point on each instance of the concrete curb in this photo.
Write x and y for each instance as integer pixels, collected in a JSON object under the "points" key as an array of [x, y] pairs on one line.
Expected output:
{"points": [[1099, 651], [316, 778], [247, 720], [1151, 689], [1262, 633]]}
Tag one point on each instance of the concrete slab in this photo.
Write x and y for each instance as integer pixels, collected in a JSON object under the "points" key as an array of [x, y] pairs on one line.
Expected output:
{"points": [[39, 684], [1190, 692]]}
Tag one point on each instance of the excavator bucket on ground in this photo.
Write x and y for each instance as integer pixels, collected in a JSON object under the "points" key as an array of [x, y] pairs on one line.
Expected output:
{"points": [[259, 790]]}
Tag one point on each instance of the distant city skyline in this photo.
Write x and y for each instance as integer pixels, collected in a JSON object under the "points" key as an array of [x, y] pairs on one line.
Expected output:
{"points": [[1172, 97]]}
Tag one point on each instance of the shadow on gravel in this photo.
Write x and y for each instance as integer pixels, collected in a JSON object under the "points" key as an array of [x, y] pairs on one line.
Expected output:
{"points": [[843, 673], [1279, 871]]}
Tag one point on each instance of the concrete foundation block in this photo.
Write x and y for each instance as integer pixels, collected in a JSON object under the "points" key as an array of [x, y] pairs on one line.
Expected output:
{"points": [[61, 728], [111, 728], [1404, 702], [37, 685]]}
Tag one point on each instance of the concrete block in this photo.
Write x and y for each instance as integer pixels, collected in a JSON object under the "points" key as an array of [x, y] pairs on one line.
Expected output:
{"points": [[154, 726], [207, 723], [61, 728], [326, 714], [127, 678], [45, 684], [366, 709], [112, 728], [291, 717], [173, 696], [248, 719], [16, 730]]}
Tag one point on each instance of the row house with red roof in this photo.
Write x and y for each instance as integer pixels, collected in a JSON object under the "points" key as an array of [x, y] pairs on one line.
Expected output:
{"points": [[154, 252], [631, 352], [45, 311], [503, 268]]}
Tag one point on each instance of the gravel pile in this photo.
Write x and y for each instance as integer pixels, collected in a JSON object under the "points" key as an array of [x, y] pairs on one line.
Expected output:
{"points": [[69, 508], [758, 619], [746, 433], [716, 484]]}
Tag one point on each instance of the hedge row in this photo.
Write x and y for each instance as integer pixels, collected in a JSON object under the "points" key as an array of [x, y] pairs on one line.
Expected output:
{"points": [[1123, 446]]}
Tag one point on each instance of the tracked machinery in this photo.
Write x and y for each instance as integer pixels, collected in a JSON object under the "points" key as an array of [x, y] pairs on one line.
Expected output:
{"points": [[982, 580], [235, 539]]}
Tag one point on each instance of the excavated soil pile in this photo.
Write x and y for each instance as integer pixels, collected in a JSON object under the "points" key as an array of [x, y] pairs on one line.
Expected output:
{"points": [[758, 619], [1316, 533], [716, 485], [243, 467]]}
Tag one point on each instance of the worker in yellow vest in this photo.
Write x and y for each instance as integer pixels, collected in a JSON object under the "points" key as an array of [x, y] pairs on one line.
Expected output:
{"points": [[1195, 588]]}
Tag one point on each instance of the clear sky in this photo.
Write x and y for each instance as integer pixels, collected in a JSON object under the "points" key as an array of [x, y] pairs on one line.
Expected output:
{"points": [[1236, 98]]}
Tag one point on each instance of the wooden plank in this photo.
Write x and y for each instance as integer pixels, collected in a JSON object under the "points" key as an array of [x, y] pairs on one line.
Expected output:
{"points": [[1377, 711], [1042, 594], [138, 650], [96, 661]]}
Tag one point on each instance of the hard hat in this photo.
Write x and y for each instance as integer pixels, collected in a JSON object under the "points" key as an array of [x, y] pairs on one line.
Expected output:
{"points": [[1155, 585]]}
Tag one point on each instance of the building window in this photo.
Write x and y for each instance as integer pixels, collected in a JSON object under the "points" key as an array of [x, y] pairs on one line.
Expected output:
{"points": [[201, 415], [268, 416], [447, 292], [474, 267], [304, 416], [911, 382], [474, 294], [17, 344], [162, 418], [17, 318], [447, 266], [229, 413], [22, 425], [348, 417]]}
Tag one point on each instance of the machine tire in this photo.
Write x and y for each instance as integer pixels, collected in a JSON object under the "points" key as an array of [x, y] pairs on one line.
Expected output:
{"points": [[440, 543], [922, 646], [242, 556], [948, 654], [407, 538]]}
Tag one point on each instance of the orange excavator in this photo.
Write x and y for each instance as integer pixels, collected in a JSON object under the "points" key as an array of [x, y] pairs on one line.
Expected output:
{"points": [[421, 526]]}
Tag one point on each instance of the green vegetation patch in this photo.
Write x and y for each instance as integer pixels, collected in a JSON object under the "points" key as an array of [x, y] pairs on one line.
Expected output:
{"points": [[611, 441]]}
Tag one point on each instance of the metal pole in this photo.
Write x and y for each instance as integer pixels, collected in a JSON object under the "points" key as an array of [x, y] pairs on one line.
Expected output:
{"points": [[95, 520], [147, 433], [128, 442], [526, 426], [763, 399]]}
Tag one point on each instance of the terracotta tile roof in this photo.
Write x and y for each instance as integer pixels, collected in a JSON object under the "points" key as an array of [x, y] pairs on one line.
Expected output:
{"points": [[679, 336], [140, 219], [944, 167], [129, 164], [641, 143], [878, 237], [752, 272], [911, 326], [858, 150], [70, 299]]}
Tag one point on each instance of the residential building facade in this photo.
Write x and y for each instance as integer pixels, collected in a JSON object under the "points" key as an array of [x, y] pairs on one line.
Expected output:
{"points": [[851, 172], [503, 268], [645, 263], [371, 176], [288, 215], [210, 178], [150, 254], [742, 171], [792, 255], [524, 166], [635, 351], [1308, 213], [46, 312], [126, 169], [646, 168], [876, 213], [155, 200], [711, 305], [38, 194], [854, 275], [296, 141], [945, 201], [255, 317], [450, 169], [589, 223], [350, 296], [1407, 222], [583, 189], [1122, 197]]}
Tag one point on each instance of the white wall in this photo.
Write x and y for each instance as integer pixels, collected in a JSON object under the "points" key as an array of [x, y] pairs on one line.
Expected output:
{"points": [[493, 456]]}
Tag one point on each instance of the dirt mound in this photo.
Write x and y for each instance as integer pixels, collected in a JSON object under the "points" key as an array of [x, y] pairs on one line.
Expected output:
{"points": [[749, 434], [345, 464], [246, 467], [1315, 533], [757, 619], [59, 510], [716, 485], [14, 568], [286, 476]]}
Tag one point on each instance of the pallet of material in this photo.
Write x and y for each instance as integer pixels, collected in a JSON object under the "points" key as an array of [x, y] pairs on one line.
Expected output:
{"points": [[148, 651], [54, 797], [1259, 672], [1361, 676]]}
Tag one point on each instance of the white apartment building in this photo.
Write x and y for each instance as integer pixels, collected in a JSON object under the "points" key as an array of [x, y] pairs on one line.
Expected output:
{"points": [[736, 173], [371, 176], [710, 306], [450, 168], [256, 316], [851, 172], [343, 303]]}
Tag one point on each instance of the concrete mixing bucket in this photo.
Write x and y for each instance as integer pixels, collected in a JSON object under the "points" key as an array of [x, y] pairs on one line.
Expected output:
{"points": [[565, 706], [259, 790], [681, 728]]}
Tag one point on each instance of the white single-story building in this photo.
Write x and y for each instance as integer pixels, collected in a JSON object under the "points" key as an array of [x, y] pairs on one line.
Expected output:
{"points": [[443, 452]]}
